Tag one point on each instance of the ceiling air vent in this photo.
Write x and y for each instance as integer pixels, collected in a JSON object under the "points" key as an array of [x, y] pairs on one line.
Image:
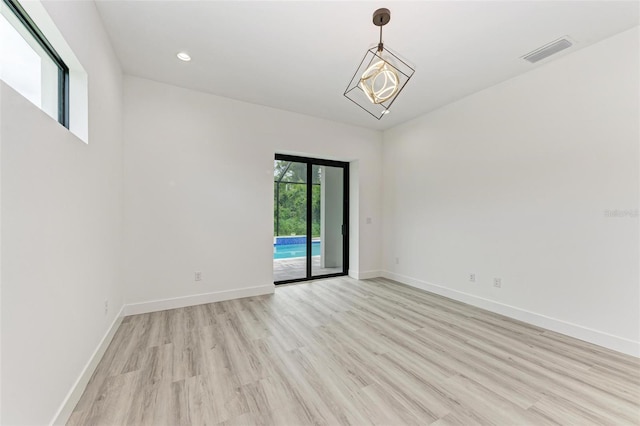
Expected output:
{"points": [[547, 50]]}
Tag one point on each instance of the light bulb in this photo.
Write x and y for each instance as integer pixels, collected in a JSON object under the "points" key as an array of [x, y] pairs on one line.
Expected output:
{"points": [[379, 82]]}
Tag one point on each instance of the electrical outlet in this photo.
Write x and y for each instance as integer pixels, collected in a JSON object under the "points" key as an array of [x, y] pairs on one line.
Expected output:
{"points": [[198, 276], [397, 260], [106, 307], [497, 282], [472, 278]]}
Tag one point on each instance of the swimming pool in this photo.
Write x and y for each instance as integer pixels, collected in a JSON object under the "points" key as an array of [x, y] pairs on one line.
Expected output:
{"points": [[285, 251]]}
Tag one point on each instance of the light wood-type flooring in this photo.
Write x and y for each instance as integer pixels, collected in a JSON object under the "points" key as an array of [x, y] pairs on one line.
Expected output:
{"points": [[341, 351]]}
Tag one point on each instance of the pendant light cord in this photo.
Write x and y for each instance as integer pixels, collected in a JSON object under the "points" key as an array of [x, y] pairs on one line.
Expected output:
{"points": [[380, 43]]}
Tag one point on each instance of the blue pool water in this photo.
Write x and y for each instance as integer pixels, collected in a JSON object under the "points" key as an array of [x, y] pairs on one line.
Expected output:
{"points": [[284, 251]]}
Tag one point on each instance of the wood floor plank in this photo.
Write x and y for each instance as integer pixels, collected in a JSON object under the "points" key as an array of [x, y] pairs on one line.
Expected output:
{"points": [[348, 352]]}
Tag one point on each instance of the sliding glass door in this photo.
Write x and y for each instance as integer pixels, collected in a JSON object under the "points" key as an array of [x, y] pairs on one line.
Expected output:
{"points": [[328, 219], [290, 220], [311, 214]]}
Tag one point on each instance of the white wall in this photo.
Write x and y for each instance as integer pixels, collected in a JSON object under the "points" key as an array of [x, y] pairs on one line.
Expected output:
{"points": [[199, 189], [514, 182], [61, 230]]}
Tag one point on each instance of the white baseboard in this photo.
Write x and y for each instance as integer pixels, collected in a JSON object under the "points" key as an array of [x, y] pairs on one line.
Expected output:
{"points": [[365, 275], [616, 343], [196, 299], [72, 398]]}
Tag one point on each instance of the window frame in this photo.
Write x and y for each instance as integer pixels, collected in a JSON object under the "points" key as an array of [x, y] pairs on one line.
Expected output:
{"points": [[63, 70]]}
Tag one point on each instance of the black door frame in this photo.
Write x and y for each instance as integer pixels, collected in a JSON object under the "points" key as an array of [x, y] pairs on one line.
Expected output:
{"points": [[310, 162]]}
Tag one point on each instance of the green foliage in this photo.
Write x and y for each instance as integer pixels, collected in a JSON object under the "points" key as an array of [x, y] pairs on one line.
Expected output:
{"points": [[292, 209], [290, 199]]}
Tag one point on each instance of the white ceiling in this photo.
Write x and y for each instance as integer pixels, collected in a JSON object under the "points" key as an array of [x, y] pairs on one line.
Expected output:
{"points": [[299, 56]]}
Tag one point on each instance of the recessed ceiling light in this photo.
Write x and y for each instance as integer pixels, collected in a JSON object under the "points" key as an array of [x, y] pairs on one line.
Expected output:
{"points": [[183, 56]]}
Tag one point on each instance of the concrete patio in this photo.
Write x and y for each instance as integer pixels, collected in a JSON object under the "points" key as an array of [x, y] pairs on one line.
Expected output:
{"points": [[295, 268]]}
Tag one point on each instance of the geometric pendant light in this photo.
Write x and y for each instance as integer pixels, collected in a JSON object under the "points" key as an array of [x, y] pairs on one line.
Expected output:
{"points": [[381, 75]]}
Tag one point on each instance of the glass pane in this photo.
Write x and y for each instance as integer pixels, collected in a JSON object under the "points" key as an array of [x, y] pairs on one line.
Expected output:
{"points": [[289, 171], [25, 66], [327, 220], [290, 221], [20, 64]]}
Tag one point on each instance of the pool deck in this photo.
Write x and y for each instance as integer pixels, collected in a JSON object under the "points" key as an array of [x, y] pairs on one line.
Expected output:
{"points": [[296, 267]]}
